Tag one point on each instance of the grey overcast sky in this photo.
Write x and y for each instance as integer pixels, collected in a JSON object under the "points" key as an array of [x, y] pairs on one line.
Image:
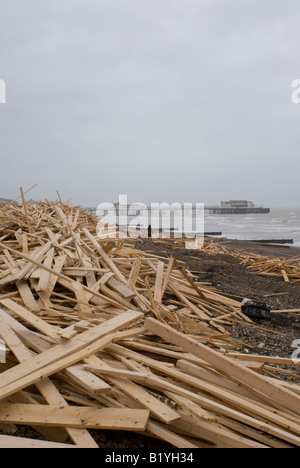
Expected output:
{"points": [[163, 100]]}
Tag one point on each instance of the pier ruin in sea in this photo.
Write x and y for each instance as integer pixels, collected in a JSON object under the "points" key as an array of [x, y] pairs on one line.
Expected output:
{"points": [[237, 207]]}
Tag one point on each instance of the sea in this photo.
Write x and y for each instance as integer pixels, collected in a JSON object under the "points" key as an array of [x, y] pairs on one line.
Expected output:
{"points": [[280, 223]]}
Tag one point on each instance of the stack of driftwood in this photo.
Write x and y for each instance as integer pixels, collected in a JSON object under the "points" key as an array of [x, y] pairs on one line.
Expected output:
{"points": [[287, 268], [100, 335]]}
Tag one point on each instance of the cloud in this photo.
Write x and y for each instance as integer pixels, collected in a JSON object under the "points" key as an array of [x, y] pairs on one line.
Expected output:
{"points": [[180, 100]]}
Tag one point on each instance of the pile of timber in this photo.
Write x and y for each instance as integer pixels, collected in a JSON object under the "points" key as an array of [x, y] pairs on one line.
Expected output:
{"points": [[100, 335], [287, 268]]}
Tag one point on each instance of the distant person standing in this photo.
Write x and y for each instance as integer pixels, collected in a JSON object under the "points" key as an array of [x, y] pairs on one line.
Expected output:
{"points": [[149, 232]]}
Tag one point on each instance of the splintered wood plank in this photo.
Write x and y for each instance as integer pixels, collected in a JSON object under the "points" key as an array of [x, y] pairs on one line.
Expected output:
{"points": [[159, 409], [68, 333], [158, 430], [45, 275], [35, 256], [27, 296], [193, 408], [29, 338], [134, 272], [30, 318], [186, 301], [87, 380], [80, 437], [222, 437], [81, 297], [116, 297], [13, 342], [191, 283], [251, 379], [263, 359], [107, 260], [57, 268], [285, 276], [167, 275], [7, 442], [14, 384], [25, 210], [67, 282], [121, 288], [159, 281], [25, 242], [76, 417], [245, 406], [71, 347]]}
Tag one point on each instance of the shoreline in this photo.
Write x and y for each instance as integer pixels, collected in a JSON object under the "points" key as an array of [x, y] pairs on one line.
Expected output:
{"points": [[268, 250]]}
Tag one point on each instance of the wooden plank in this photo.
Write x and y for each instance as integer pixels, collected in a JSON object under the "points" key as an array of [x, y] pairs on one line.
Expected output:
{"points": [[82, 298], [285, 276], [69, 332], [116, 297], [45, 276], [61, 351], [245, 376], [254, 434], [35, 256], [25, 243], [193, 408], [68, 282], [211, 405], [10, 442], [30, 318], [76, 417], [46, 387], [158, 430], [263, 359], [245, 406], [13, 384], [121, 288], [287, 311], [115, 372], [222, 437], [27, 296], [87, 380], [159, 281], [107, 260], [33, 340], [25, 210], [134, 272], [65, 280], [192, 284], [192, 306], [213, 377], [156, 407], [167, 275]]}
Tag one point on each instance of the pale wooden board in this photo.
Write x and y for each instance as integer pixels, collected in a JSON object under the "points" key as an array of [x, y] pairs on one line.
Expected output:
{"points": [[239, 414], [80, 437], [10, 442], [251, 379], [62, 355], [27, 296], [75, 417], [31, 318]]}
